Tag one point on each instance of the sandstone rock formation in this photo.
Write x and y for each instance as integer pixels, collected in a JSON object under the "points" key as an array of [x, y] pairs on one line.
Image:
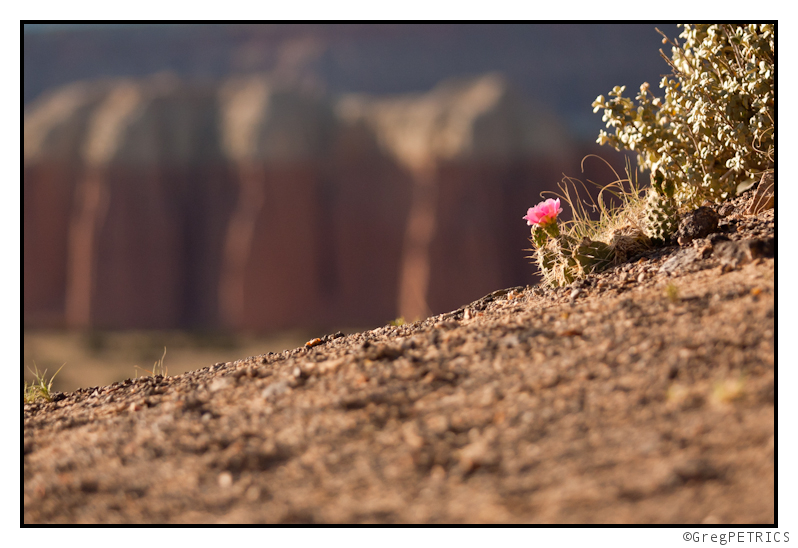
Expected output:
{"points": [[260, 204]]}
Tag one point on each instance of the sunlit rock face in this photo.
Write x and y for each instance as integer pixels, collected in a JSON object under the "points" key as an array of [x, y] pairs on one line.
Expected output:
{"points": [[256, 204]]}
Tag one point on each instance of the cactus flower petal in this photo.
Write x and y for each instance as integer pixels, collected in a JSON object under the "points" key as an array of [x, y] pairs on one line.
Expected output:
{"points": [[544, 213]]}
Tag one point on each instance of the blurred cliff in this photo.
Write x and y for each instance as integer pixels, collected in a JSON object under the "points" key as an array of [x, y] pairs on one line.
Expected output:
{"points": [[265, 201]]}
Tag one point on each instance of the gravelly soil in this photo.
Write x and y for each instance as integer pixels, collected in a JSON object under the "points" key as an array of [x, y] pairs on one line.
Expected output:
{"points": [[644, 394]]}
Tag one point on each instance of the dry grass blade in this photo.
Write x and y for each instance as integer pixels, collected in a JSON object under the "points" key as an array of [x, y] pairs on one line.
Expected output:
{"points": [[41, 388], [158, 368]]}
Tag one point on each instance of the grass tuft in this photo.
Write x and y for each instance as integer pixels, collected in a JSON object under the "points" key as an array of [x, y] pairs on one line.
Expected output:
{"points": [[672, 292], [41, 388], [158, 368]]}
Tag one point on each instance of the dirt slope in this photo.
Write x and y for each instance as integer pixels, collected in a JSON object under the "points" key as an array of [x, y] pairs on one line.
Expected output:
{"points": [[642, 395]]}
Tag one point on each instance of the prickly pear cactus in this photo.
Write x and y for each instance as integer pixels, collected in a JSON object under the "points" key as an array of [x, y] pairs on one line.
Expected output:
{"points": [[564, 259], [548, 258], [662, 218], [592, 256], [562, 256]]}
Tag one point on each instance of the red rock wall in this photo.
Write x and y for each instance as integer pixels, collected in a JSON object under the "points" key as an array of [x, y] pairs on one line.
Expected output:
{"points": [[162, 229], [150, 217], [48, 192]]}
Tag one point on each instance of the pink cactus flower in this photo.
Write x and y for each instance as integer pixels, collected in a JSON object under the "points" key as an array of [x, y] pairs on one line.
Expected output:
{"points": [[544, 213]]}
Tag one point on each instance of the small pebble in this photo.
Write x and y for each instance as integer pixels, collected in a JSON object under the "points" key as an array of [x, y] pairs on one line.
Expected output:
{"points": [[225, 480]]}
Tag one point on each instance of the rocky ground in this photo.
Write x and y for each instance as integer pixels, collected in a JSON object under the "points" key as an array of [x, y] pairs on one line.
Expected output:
{"points": [[644, 394]]}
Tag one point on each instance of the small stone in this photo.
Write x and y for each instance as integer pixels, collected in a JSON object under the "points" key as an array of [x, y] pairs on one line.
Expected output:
{"points": [[699, 223], [88, 485], [225, 480], [703, 248], [411, 435], [437, 474], [438, 424], [477, 454], [696, 470], [253, 493], [642, 277], [488, 397], [726, 210]]}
